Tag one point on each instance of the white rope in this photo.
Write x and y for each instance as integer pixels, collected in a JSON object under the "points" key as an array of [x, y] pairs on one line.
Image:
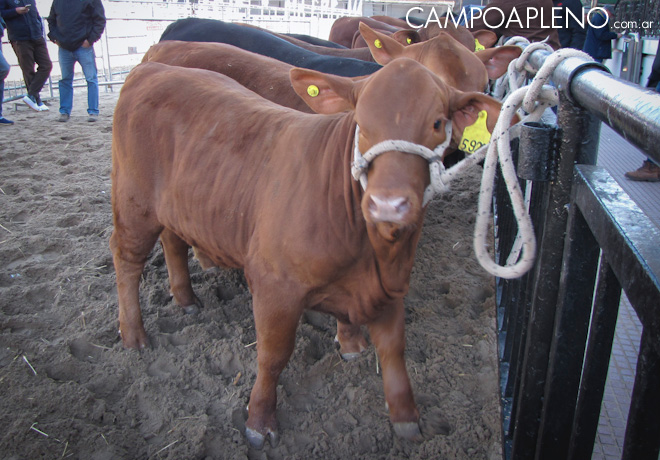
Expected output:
{"points": [[519, 69], [434, 157], [534, 99]]}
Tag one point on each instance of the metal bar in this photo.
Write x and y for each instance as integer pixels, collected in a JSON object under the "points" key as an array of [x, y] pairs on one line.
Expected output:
{"points": [[596, 363], [630, 110], [539, 199], [577, 131], [642, 440], [629, 240], [578, 275]]}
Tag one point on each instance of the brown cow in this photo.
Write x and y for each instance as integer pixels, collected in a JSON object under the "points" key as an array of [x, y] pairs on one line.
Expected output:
{"points": [[197, 159], [270, 78], [346, 31], [265, 76], [343, 29], [446, 57]]}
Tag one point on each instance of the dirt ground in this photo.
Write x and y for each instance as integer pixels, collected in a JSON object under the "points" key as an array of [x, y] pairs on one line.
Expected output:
{"points": [[69, 389]]}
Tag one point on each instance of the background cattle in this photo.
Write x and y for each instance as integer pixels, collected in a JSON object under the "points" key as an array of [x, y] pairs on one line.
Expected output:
{"points": [[264, 43], [314, 40], [269, 78], [346, 32], [268, 189]]}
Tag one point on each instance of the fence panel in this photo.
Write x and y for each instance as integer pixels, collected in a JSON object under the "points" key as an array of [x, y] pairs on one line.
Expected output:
{"points": [[553, 369]]}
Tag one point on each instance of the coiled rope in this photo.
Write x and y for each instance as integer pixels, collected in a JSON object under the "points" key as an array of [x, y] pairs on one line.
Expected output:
{"points": [[533, 99]]}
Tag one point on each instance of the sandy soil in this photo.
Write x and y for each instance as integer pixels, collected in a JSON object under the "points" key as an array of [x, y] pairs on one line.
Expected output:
{"points": [[69, 389]]}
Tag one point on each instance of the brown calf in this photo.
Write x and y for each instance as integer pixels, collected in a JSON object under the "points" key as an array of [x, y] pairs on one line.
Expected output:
{"points": [[199, 160]]}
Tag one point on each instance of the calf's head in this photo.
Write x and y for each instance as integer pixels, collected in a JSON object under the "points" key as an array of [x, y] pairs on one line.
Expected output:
{"points": [[404, 101], [455, 64]]}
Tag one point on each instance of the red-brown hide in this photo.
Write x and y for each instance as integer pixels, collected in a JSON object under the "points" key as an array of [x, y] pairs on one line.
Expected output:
{"points": [[265, 76], [346, 31], [270, 78], [199, 160]]}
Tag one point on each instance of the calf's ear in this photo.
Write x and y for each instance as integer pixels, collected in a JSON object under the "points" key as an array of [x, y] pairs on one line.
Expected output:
{"points": [[383, 47], [487, 38], [497, 59], [323, 93], [407, 37], [464, 110]]}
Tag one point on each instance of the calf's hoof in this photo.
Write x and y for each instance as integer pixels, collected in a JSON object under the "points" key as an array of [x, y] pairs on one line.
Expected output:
{"points": [[348, 354], [191, 309], [257, 440], [408, 430], [135, 340]]}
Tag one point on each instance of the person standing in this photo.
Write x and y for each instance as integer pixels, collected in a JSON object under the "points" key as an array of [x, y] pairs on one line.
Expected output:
{"points": [[26, 35], [74, 26], [571, 33], [598, 43], [4, 71]]}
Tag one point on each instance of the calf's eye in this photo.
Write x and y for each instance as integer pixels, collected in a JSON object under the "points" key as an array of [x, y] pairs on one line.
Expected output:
{"points": [[437, 124]]}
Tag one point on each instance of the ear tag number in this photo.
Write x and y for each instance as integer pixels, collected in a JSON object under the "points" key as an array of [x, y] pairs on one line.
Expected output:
{"points": [[478, 46], [475, 135], [409, 40], [378, 44], [313, 90]]}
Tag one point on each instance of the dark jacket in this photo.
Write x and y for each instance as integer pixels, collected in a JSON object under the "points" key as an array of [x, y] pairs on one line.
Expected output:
{"points": [[654, 78], [598, 43], [572, 36], [538, 29], [71, 22], [21, 27]]}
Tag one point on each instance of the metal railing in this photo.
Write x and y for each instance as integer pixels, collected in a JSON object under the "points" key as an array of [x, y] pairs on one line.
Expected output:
{"points": [[133, 26], [556, 324]]}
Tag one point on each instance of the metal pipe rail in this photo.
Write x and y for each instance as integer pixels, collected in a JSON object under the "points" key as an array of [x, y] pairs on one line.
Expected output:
{"points": [[553, 363], [630, 110]]}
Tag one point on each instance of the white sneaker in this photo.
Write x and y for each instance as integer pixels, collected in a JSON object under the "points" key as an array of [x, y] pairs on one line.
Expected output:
{"points": [[31, 102], [43, 107]]}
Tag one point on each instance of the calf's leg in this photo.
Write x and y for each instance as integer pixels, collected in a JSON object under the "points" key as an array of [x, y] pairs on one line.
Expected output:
{"points": [[176, 258], [387, 335], [129, 253], [276, 321]]}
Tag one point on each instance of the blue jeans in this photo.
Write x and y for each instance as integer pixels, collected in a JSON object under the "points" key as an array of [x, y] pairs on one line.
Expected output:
{"points": [[87, 60], [4, 71]]}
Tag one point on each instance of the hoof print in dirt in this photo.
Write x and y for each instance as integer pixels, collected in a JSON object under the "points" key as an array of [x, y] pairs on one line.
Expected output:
{"points": [[434, 423]]}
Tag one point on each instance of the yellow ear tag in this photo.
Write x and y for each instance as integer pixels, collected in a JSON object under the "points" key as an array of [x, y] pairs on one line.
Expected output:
{"points": [[475, 135], [313, 90], [478, 46], [378, 44], [409, 40]]}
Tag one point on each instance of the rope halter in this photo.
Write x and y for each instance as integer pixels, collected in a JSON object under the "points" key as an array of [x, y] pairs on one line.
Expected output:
{"points": [[434, 157]]}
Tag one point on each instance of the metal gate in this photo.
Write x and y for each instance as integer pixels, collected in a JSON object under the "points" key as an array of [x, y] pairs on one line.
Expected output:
{"points": [[556, 324]]}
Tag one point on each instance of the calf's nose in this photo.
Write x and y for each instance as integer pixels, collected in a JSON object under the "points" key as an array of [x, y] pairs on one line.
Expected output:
{"points": [[390, 209]]}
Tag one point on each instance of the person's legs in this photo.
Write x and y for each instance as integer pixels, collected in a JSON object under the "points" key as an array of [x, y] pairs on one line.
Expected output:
{"points": [[44, 66], [87, 60], [4, 71], [24, 50], [67, 62], [25, 53]]}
